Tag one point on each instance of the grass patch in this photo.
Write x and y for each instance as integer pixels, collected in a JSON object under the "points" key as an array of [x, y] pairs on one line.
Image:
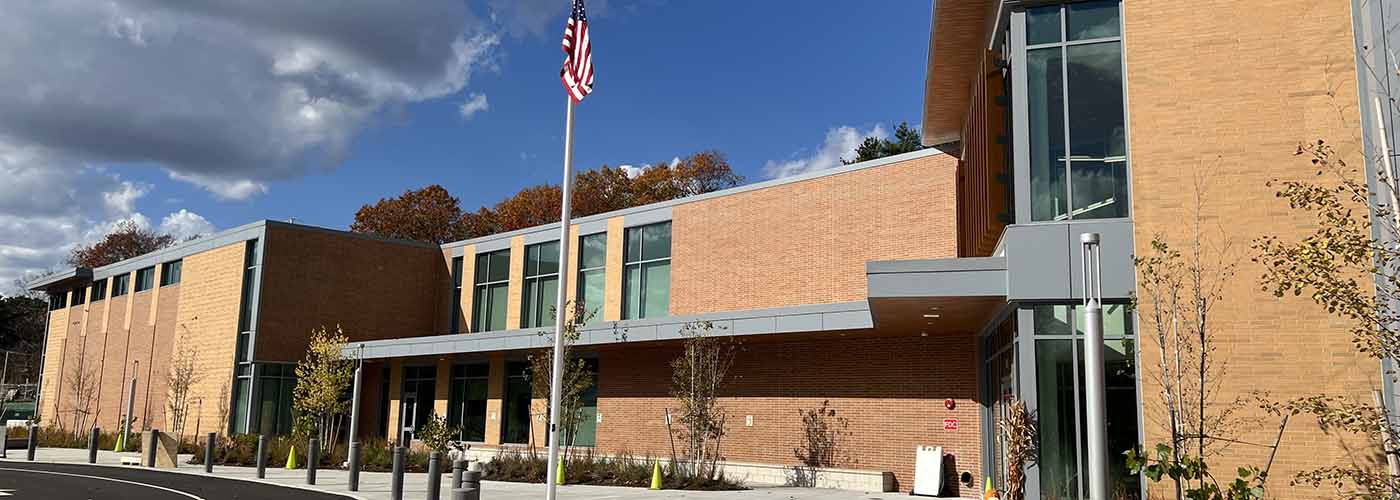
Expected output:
{"points": [[586, 468]]}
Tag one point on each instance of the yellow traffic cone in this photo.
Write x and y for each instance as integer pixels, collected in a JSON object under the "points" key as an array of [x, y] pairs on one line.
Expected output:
{"points": [[292, 458], [559, 473], [121, 444], [656, 476], [989, 494]]}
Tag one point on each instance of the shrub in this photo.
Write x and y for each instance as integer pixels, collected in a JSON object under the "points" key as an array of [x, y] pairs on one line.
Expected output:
{"points": [[586, 468]]}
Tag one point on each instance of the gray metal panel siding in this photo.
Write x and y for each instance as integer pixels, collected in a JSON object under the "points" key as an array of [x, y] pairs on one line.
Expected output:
{"points": [[937, 284], [1037, 262], [1115, 254], [662, 214], [1043, 260], [814, 318], [493, 245]]}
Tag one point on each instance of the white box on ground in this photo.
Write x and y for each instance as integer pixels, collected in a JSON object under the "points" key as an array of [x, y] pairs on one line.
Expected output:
{"points": [[16, 423], [928, 470]]}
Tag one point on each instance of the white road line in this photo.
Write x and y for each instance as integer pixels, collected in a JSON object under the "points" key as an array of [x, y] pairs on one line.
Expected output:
{"points": [[178, 492]]}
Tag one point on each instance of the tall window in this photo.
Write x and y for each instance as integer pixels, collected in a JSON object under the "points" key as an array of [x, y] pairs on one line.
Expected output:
{"points": [[492, 286], [1059, 368], [243, 407], [121, 284], [58, 300], [646, 278], [170, 272], [99, 291], [466, 401], [416, 399], [592, 264], [79, 296], [456, 296], [145, 278], [275, 382], [515, 416], [541, 284], [1077, 134]]}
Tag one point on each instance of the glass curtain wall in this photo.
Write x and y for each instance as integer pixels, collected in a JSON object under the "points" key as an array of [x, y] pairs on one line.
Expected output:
{"points": [[541, 285], [492, 286], [1077, 140], [592, 264], [1059, 398], [515, 420], [466, 403]]}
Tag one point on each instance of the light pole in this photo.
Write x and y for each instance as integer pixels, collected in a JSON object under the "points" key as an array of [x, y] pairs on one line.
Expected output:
{"points": [[1094, 423], [353, 448], [130, 404]]}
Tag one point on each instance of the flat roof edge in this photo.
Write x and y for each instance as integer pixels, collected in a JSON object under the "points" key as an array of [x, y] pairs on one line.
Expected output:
{"points": [[794, 319]]}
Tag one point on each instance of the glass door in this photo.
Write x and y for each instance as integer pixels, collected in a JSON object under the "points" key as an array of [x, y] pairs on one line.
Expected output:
{"points": [[408, 414]]}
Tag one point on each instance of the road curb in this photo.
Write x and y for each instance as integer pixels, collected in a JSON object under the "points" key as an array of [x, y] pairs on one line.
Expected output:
{"points": [[189, 473]]}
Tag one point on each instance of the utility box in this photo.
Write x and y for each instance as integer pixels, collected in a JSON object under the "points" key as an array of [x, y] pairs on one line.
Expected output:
{"points": [[928, 471], [164, 448]]}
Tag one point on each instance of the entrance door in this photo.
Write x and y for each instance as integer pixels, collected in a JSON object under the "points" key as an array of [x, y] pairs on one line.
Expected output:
{"points": [[409, 414]]}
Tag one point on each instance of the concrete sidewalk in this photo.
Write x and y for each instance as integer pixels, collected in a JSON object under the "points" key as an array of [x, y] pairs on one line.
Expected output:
{"points": [[375, 485]]}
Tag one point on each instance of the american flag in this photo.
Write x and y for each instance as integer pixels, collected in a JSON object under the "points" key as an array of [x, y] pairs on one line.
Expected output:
{"points": [[577, 73]]}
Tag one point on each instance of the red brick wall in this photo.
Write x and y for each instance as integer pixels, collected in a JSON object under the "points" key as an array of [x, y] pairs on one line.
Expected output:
{"points": [[890, 389], [373, 289]]}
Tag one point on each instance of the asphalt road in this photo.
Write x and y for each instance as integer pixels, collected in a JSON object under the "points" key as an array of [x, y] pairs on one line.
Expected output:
{"points": [[41, 481]]}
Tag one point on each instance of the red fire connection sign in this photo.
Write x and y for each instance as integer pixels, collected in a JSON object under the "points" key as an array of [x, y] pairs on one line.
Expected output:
{"points": [[950, 424]]}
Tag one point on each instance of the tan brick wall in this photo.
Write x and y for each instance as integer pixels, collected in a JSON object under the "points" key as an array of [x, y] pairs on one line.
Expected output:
{"points": [[612, 271], [57, 336], [808, 242], [517, 282], [207, 323], [1230, 100], [373, 289], [120, 331]]}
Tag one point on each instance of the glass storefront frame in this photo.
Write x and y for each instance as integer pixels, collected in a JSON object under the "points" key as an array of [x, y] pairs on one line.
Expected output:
{"points": [[1012, 339]]}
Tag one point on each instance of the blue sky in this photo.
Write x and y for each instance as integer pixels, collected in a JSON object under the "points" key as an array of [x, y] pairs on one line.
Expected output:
{"points": [[778, 87]]}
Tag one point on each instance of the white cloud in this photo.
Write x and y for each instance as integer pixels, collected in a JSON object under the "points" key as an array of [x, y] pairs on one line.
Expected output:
{"points": [[224, 189], [122, 201], [631, 171], [228, 95], [474, 104], [840, 143], [185, 224]]}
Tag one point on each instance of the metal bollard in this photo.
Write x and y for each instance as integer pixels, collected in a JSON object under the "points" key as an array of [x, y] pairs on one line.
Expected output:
{"points": [[471, 486], [354, 459], [313, 454], [396, 479], [32, 441], [92, 444], [262, 456], [434, 475], [209, 453], [150, 448], [458, 467]]}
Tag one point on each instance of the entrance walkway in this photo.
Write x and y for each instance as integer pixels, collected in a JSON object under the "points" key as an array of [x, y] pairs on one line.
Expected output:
{"points": [[375, 485]]}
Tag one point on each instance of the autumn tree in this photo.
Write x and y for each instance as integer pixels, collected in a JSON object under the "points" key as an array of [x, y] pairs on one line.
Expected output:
{"points": [[323, 379], [128, 239], [906, 139], [429, 214], [432, 214]]}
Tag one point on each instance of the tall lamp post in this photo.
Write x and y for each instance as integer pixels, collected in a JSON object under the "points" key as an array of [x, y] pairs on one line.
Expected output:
{"points": [[354, 447], [1094, 423]]}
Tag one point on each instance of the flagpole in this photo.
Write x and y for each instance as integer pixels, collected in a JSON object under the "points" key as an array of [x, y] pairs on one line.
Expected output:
{"points": [[560, 311]]}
